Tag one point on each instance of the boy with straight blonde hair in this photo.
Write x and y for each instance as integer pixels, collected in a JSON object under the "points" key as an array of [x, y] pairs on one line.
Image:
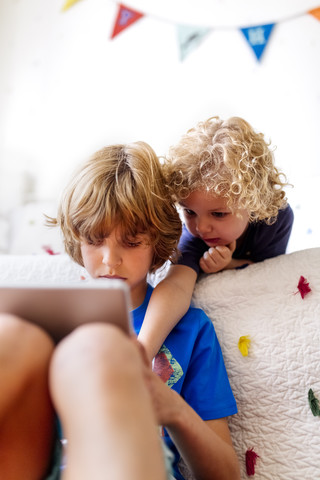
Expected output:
{"points": [[118, 221]]}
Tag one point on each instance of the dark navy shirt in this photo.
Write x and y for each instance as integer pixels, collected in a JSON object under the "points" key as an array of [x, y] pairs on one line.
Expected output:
{"points": [[260, 241]]}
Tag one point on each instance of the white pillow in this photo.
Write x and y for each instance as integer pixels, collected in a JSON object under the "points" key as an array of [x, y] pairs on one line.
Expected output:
{"points": [[272, 382], [39, 268]]}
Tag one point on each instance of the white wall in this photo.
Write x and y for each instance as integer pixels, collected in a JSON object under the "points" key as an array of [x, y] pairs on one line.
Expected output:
{"points": [[66, 89]]}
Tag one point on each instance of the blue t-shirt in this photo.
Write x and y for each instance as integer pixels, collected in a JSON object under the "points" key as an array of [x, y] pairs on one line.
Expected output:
{"points": [[190, 361], [260, 241]]}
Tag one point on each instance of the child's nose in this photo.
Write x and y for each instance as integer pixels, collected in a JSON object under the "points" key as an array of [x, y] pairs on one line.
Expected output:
{"points": [[203, 225], [110, 257]]}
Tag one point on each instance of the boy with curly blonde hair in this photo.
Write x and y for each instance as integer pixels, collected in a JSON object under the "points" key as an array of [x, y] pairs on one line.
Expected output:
{"points": [[231, 196]]}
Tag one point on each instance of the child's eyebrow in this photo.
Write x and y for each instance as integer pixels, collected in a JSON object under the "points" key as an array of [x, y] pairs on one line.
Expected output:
{"points": [[219, 209]]}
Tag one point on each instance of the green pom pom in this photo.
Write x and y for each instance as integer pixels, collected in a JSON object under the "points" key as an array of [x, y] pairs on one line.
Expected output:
{"points": [[314, 403]]}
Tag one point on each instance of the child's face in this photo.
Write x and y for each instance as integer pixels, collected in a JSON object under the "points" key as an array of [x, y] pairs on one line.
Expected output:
{"points": [[112, 258], [208, 217]]}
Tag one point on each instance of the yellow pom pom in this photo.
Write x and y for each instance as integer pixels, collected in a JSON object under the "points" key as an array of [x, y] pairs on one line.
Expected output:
{"points": [[244, 345], [68, 4]]}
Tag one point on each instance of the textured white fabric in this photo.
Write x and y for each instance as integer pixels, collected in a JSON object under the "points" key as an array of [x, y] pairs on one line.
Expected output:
{"points": [[38, 268], [271, 384]]}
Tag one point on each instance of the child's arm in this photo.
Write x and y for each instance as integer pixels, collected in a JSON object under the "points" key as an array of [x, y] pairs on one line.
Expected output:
{"points": [[169, 301], [205, 446]]}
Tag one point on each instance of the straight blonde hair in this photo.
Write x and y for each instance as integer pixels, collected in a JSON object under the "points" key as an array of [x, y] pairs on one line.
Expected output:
{"points": [[119, 186]]}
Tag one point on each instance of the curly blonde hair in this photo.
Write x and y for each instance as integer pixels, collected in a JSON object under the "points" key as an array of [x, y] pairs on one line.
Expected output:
{"points": [[123, 186], [227, 158]]}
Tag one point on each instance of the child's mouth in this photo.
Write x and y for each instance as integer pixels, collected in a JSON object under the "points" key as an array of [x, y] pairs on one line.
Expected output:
{"points": [[211, 241], [112, 277]]}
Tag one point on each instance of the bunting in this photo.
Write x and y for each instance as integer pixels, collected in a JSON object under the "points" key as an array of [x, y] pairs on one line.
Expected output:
{"points": [[258, 37], [315, 13], [125, 18], [189, 37]]}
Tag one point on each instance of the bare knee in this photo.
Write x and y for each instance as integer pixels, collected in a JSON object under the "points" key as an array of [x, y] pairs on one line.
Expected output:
{"points": [[89, 343], [25, 354], [23, 342], [89, 352]]}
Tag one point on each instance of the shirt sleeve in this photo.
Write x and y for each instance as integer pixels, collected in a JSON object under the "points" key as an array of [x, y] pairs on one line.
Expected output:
{"points": [[206, 387], [267, 241], [191, 249], [283, 228]]}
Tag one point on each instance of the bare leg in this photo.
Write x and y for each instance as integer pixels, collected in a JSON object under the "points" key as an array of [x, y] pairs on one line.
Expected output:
{"points": [[99, 392], [26, 413]]}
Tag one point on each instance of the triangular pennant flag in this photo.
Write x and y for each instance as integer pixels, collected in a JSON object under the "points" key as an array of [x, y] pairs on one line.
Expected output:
{"points": [[68, 4], [126, 17], [190, 37], [258, 37], [315, 12]]}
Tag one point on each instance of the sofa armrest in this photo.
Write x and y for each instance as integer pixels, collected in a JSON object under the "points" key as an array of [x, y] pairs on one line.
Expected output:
{"points": [[272, 382]]}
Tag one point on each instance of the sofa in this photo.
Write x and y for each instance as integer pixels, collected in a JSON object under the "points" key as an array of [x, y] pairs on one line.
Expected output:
{"points": [[267, 318]]}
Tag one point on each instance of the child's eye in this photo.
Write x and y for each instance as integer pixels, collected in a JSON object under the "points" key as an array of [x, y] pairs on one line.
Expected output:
{"points": [[219, 214], [94, 243], [188, 212], [133, 244]]}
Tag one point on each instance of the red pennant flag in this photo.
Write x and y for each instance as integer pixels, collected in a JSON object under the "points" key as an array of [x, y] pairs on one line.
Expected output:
{"points": [[315, 12], [126, 17]]}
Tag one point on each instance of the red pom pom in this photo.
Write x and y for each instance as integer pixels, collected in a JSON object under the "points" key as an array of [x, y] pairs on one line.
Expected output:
{"points": [[251, 459], [303, 287], [49, 250]]}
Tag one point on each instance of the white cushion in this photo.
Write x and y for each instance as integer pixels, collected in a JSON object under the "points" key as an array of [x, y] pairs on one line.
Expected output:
{"points": [[271, 384], [39, 268]]}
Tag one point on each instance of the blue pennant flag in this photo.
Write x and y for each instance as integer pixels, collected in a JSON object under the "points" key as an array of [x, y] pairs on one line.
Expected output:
{"points": [[258, 37]]}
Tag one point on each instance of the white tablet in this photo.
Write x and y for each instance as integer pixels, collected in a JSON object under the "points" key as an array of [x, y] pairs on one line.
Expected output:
{"points": [[59, 308]]}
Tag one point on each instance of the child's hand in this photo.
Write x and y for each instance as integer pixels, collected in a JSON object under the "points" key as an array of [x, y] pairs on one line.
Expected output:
{"points": [[217, 258], [165, 400]]}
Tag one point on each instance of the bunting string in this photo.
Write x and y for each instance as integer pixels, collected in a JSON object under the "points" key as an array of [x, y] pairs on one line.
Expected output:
{"points": [[191, 36]]}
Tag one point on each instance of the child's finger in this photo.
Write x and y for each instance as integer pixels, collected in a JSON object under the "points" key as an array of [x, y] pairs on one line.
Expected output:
{"points": [[215, 259], [219, 251], [207, 267], [210, 259], [211, 263]]}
